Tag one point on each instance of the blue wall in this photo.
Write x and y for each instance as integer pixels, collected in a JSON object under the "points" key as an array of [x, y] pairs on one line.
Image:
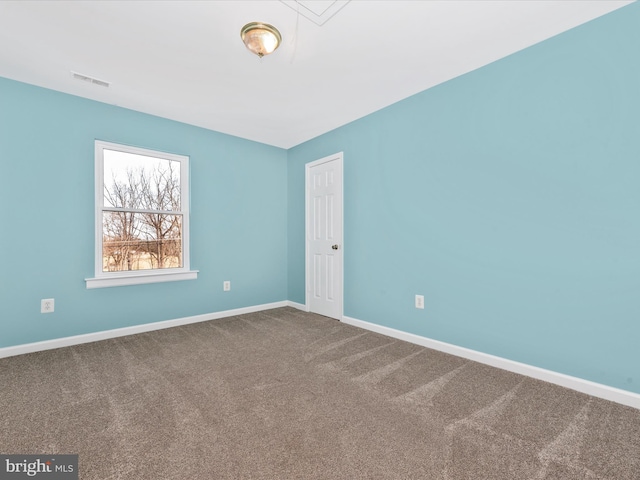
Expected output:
{"points": [[238, 217], [510, 198]]}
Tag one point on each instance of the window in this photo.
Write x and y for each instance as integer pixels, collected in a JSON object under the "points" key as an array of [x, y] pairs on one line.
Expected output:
{"points": [[142, 216]]}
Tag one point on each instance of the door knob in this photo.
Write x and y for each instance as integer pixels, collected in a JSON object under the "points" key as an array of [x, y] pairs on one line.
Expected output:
{"points": [[335, 247]]}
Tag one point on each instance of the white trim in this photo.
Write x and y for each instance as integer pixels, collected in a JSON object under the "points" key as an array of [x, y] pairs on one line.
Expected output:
{"points": [[299, 306], [121, 332], [599, 390], [137, 278], [307, 280]]}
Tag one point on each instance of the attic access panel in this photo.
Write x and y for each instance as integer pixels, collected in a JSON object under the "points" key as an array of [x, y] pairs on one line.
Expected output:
{"points": [[318, 11]]}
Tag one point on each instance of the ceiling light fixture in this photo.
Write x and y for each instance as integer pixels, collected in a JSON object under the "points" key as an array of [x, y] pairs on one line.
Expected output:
{"points": [[260, 38]]}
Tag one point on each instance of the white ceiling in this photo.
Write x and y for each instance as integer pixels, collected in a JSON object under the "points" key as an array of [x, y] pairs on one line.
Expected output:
{"points": [[184, 60]]}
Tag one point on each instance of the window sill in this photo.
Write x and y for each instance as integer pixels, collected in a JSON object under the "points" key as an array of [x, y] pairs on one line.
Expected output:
{"points": [[140, 278]]}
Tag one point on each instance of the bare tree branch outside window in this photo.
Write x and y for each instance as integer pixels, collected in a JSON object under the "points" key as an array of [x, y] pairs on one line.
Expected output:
{"points": [[142, 223]]}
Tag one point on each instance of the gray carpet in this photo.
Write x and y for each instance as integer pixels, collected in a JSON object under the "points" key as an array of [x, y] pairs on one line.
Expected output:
{"points": [[284, 394]]}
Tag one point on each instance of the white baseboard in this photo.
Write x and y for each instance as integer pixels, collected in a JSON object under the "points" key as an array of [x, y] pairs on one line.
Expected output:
{"points": [[121, 332], [299, 306], [613, 394]]}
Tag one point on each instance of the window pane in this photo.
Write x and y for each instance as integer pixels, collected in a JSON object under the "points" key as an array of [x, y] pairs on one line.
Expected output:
{"points": [[140, 182], [141, 241]]}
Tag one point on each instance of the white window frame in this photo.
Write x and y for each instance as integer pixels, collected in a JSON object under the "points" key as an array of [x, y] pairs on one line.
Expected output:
{"points": [[136, 277]]}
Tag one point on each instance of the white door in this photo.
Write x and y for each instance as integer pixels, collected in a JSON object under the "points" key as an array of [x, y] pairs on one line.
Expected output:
{"points": [[324, 236]]}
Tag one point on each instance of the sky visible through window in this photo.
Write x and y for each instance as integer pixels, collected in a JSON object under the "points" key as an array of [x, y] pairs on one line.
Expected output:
{"points": [[117, 166]]}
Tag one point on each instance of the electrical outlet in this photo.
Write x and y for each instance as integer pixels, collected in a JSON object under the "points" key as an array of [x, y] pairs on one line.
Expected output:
{"points": [[47, 305], [226, 285], [419, 301]]}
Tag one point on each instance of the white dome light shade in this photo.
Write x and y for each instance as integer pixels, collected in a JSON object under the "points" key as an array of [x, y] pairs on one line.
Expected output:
{"points": [[260, 38]]}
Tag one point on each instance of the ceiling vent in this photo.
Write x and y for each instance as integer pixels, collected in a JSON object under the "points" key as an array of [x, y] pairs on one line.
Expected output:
{"points": [[86, 78]]}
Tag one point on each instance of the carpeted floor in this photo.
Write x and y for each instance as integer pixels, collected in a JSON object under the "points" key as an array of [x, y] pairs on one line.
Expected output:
{"points": [[284, 394]]}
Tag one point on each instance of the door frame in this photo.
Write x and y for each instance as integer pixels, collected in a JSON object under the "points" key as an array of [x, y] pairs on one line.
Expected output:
{"points": [[338, 157]]}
